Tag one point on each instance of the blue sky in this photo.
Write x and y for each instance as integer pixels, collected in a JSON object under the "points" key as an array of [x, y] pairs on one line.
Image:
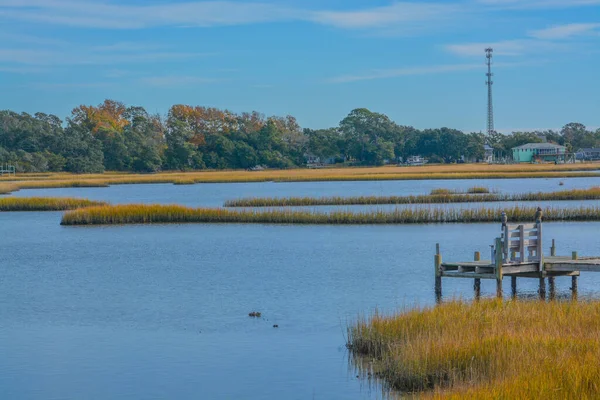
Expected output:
{"points": [[420, 62]]}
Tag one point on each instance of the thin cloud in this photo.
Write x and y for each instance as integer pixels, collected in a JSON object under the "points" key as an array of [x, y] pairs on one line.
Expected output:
{"points": [[509, 48], [398, 13], [176, 80], [537, 4], [53, 86], [565, 31], [52, 57], [394, 73], [122, 16], [88, 14]]}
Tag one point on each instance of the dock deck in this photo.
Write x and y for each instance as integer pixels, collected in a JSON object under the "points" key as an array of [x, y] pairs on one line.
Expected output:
{"points": [[517, 253]]}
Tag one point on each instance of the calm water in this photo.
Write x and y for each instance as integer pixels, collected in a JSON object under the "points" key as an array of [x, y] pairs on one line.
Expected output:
{"points": [[161, 311]]}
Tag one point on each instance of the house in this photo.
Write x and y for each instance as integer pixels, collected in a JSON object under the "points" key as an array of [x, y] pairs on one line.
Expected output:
{"points": [[313, 160], [589, 154], [416, 160], [539, 152], [488, 154]]}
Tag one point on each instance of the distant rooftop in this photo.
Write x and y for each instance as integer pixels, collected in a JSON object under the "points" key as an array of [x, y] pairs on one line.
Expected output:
{"points": [[540, 146]]}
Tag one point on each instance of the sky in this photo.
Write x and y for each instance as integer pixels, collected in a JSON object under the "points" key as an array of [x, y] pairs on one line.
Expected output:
{"points": [[422, 63]]}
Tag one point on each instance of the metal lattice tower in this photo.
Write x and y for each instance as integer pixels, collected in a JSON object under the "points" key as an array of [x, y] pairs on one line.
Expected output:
{"points": [[489, 83]]}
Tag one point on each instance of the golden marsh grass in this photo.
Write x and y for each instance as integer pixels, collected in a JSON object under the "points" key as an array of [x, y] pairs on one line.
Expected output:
{"points": [[441, 196], [458, 171], [7, 188], [45, 203], [487, 350], [159, 214]]}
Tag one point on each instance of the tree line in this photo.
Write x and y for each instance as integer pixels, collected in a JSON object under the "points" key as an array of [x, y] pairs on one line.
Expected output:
{"points": [[116, 137]]}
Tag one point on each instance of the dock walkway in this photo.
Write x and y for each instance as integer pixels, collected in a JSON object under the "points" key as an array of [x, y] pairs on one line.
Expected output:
{"points": [[516, 253]]}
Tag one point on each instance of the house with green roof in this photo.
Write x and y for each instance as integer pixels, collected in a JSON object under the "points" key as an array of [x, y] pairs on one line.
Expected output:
{"points": [[539, 152]]}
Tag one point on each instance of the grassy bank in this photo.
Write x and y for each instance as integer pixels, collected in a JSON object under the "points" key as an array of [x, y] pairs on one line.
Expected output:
{"points": [[487, 350], [439, 198], [456, 171], [7, 188], [158, 214], [44, 203]]}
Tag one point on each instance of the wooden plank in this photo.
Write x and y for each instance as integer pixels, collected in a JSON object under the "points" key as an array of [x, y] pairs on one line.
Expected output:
{"points": [[483, 263], [514, 227], [526, 243], [519, 269], [539, 252], [573, 267], [470, 275], [517, 234], [522, 244]]}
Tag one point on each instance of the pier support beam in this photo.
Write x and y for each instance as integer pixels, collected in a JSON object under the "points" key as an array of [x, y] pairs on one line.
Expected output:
{"points": [[553, 249], [438, 274], [477, 281], [513, 286], [574, 279], [552, 287], [542, 288], [498, 259]]}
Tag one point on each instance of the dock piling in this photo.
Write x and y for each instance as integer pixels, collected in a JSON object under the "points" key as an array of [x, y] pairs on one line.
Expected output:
{"points": [[498, 259], [513, 286], [552, 287], [542, 288], [553, 249], [477, 281], [438, 273], [574, 287]]}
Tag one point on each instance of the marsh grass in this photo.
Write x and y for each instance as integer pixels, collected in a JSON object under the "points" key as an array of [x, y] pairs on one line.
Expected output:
{"points": [[7, 188], [487, 350], [45, 203], [438, 196], [478, 190], [159, 214], [463, 171]]}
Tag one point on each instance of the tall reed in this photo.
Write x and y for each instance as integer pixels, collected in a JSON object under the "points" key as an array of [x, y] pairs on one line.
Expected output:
{"points": [[487, 350], [45, 203], [439, 198], [149, 214]]}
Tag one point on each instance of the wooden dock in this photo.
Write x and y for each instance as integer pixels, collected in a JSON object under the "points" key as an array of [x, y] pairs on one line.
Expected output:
{"points": [[516, 253]]}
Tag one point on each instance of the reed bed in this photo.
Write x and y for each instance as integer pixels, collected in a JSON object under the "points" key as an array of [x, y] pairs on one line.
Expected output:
{"points": [[60, 184], [463, 171], [45, 203], [478, 190], [160, 214], [487, 350], [7, 188], [471, 190], [440, 197]]}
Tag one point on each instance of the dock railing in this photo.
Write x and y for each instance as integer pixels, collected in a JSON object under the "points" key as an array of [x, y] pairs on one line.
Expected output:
{"points": [[522, 243]]}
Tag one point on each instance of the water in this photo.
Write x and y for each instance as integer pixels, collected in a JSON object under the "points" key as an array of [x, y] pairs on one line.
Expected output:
{"points": [[162, 311], [215, 194]]}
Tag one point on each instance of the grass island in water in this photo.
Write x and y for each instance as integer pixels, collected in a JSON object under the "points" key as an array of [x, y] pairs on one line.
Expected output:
{"points": [[162, 214], [438, 197], [45, 203]]}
